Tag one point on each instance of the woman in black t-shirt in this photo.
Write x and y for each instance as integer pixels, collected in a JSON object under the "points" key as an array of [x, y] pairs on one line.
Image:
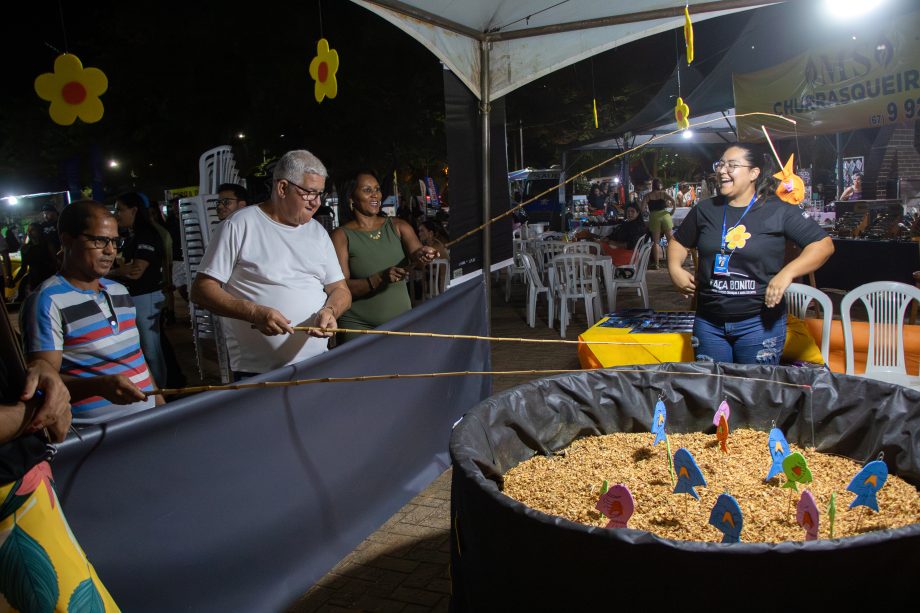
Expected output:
{"points": [[741, 236], [142, 273]]}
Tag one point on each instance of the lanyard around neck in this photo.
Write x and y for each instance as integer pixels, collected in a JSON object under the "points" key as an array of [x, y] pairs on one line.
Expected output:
{"points": [[725, 218]]}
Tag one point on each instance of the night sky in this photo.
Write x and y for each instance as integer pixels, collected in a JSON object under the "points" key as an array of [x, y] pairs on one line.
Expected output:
{"points": [[186, 77]]}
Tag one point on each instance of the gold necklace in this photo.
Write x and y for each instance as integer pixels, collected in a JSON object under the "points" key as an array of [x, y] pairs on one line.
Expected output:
{"points": [[375, 236]]}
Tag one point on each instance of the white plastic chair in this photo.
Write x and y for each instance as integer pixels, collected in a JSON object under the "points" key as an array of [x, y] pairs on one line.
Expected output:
{"points": [[638, 280], [585, 247], [575, 278], [885, 302], [436, 272], [535, 287], [622, 270], [799, 297], [515, 268], [547, 251]]}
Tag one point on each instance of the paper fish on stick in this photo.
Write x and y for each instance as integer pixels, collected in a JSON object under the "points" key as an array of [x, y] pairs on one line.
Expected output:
{"points": [[723, 410], [618, 504], [659, 419], [726, 516], [779, 449], [867, 483], [688, 472], [791, 187], [796, 470], [722, 434], [806, 515]]}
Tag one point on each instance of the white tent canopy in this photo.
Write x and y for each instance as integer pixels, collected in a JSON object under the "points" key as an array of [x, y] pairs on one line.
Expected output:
{"points": [[497, 46], [527, 39]]}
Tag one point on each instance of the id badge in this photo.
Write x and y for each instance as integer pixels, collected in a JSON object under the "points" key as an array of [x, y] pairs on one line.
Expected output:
{"points": [[720, 267]]}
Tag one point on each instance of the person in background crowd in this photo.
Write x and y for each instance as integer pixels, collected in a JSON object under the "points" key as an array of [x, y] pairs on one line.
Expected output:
{"points": [[142, 274], [433, 234], [376, 253], [31, 513], [38, 263], [326, 217], [853, 192], [6, 270], [83, 324], [50, 229], [174, 376], [595, 198], [741, 238], [268, 266], [231, 197], [660, 205]]}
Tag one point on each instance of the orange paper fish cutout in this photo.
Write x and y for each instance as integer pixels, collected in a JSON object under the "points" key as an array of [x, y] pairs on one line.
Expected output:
{"points": [[791, 187], [722, 434]]}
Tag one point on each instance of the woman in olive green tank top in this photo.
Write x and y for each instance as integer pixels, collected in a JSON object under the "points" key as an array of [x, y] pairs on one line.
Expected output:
{"points": [[376, 254]]}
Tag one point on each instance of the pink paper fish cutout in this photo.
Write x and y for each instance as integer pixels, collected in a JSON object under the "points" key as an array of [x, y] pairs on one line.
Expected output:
{"points": [[723, 409], [617, 504], [806, 515]]}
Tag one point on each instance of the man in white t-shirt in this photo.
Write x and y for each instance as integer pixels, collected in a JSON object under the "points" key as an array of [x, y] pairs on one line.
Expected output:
{"points": [[271, 266]]}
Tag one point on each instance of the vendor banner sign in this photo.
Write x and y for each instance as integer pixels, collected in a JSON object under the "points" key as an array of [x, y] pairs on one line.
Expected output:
{"points": [[868, 82]]}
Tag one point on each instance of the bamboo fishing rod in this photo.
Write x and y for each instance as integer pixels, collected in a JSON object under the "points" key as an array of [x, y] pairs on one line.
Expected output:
{"points": [[471, 337], [465, 373], [607, 161]]}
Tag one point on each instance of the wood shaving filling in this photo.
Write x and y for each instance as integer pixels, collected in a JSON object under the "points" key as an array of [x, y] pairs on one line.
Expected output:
{"points": [[569, 485]]}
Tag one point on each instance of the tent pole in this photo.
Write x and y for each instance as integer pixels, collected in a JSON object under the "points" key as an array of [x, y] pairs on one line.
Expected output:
{"points": [[485, 109], [839, 147]]}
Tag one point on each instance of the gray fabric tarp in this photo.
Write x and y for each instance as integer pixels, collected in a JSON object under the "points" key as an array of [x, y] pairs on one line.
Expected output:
{"points": [[506, 556], [241, 500]]}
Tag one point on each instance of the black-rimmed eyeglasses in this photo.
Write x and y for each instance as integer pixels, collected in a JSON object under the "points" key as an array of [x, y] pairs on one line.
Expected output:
{"points": [[225, 201], [730, 165], [101, 242], [307, 194]]}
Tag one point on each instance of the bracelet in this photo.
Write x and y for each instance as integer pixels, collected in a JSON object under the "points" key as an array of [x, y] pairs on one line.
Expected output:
{"points": [[327, 307], [369, 284]]}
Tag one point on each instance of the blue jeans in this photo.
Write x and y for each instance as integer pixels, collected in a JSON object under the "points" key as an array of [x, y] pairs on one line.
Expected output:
{"points": [[148, 307], [756, 340]]}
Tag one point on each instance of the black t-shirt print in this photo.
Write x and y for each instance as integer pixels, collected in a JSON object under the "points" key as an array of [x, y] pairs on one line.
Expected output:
{"points": [[757, 247]]}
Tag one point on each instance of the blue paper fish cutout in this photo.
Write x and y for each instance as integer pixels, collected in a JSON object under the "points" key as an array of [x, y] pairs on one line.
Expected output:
{"points": [[726, 516], [867, 483], [779, 449], [658, 422], [688, 473]]}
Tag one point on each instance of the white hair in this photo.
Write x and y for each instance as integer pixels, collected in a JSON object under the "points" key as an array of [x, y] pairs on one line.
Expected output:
{"points": [[293, 165]]}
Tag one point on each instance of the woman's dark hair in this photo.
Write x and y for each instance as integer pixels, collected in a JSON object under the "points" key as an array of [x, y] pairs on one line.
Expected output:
{"points": [[656, 184], [142, 217], [348, 189], [437, 229], [758, 157]]}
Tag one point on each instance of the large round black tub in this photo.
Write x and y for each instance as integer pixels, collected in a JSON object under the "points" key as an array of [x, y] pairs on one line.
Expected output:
{"points": [[506, 556]]}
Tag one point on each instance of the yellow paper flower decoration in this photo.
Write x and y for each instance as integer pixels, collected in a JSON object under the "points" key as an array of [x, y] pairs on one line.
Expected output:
{"points": [[323, 69], [737, 237], [682, 114], [72, 90]]}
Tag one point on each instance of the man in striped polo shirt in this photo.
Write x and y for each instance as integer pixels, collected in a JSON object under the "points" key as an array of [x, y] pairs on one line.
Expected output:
{"points": [[84, 324]]}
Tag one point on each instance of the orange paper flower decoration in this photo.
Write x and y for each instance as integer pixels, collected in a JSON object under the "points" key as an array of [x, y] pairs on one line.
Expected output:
{"points": [[72, 90], [323, 69], [682, 114]]}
